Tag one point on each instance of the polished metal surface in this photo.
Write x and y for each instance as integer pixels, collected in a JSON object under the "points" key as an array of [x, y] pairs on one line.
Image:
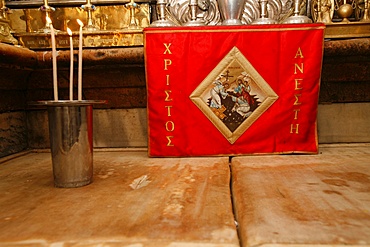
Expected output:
{"points": [[71, 141], [264, 19], [162, 21], [5, 29], [277, 9], [366, 16], [178, 11], [195, 19], [297, 18], [21, 4], [108, 26], [68, 102], [70, 129], [115, 23], [231, 11]]}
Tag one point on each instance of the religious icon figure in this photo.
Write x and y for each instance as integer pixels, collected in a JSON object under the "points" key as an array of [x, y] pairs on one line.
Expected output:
{"points": [[231, 100]]}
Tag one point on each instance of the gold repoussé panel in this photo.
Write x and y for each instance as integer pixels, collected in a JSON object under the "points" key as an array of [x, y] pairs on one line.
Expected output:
{"points": [[111, 26]]}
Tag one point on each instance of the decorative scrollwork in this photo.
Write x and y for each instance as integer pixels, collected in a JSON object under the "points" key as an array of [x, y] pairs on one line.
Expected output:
{"points": [[208, 10], [178, 11]]}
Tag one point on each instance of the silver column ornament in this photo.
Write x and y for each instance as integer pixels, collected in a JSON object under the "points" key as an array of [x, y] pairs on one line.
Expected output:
{"points": [[194, 20], [264, 19], [297, 18], [162, 20], [231, 11]]}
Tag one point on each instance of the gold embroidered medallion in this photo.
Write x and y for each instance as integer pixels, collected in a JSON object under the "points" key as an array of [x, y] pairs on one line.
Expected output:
{"points": [[234, 95]]}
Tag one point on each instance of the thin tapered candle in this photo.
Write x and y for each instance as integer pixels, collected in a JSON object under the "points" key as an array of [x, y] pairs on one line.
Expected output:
{"points": [[54, 57], [71, 65], [80, 61]]}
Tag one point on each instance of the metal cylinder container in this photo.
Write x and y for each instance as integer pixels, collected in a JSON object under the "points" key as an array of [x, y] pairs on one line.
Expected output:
{"points": [[71, 141]]}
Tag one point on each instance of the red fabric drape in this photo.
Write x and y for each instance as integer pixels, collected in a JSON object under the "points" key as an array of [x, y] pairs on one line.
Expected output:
{"points": [[288, 57]]}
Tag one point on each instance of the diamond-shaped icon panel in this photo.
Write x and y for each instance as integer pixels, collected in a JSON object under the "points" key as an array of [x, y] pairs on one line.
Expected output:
{"points": [[234, 95]]}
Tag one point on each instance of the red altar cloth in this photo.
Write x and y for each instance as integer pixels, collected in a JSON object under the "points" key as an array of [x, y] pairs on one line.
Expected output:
{"points": [[233, 90]]}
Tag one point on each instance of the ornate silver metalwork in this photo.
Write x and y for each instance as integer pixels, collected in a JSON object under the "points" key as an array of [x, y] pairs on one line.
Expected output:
{"points": [[297, 18], [162, 20], [264, 19], [178, 11], [196, 20], [277, 10], [231, 11]]}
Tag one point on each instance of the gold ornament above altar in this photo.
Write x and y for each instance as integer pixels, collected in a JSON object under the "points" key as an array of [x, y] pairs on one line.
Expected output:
{"points": [[111, 23], [105, 25]]}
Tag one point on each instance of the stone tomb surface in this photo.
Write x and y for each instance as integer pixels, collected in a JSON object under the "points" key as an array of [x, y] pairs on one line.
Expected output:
{"points": [[279, 200], [133, 201], [310, 200]]}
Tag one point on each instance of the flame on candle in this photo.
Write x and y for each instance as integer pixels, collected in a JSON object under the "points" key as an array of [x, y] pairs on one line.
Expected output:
{"points": [[80, 22], [69, 31]]}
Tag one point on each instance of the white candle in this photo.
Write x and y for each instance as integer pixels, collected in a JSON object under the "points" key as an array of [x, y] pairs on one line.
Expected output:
{"points": [[71, 65], [54, 55], [80, 61]]}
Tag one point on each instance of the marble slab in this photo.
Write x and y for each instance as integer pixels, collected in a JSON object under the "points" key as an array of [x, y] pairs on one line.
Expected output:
{"points": [[304, 200], [133, 201]]}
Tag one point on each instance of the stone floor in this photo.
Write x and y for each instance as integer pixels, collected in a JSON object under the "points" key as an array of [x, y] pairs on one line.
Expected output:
{"points": [[271, 200]]}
